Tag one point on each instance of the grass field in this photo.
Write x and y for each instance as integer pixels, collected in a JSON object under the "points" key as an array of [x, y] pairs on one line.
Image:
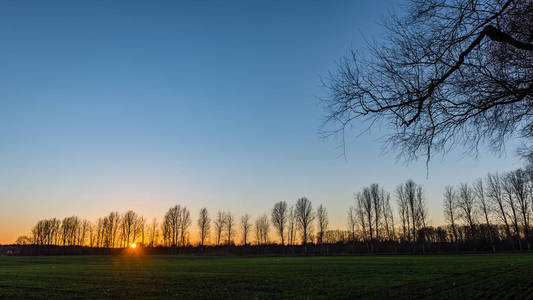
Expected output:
{"points": [[444, 276]]}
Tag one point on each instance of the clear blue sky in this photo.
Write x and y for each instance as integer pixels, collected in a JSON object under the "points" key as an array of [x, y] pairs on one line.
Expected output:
{"points": [[116, 105]]}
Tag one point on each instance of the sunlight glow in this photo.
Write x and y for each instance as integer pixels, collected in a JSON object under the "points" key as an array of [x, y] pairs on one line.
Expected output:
{"points": [[133, 246]]}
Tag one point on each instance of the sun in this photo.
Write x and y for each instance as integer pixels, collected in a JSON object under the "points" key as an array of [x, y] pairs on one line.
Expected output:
{"points": [[133, 246]]}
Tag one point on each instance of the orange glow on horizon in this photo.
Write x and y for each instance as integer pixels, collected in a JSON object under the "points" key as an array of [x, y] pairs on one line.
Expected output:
{"points": [[133, 246]]}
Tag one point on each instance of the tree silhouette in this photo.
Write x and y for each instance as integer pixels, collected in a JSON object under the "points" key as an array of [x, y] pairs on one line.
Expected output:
{"points": [[219, 223], [467, 209], [204, 223], [279, 219], [511, 201], [322, 220], [495, 194], [229, 223], [261, 230], [304, 217], [522, 193], [450, 72], [484, 207], [352, 222], [450, 209], [246, 227]]}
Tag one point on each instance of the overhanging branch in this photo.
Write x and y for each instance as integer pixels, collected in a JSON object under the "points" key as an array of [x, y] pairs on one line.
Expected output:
{"points": [[499, 36]]}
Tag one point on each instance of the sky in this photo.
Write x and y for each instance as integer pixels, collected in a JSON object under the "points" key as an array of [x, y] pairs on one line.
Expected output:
{"points": [[116, 105]]}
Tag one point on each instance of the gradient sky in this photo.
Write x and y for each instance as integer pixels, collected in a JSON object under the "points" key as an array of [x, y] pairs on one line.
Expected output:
{"points": [[117, 105]]}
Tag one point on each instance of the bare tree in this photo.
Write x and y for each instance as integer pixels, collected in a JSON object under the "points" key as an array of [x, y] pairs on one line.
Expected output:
{"points": [[466, 207], [100, 232], [171, 226], [204, 223], [111, 226], [130, 228], [291, 226], [229, 222], [449, 72], [83, 230], [167, 230], [53, 235], [378, 203], [421, 212], [322, 220], [410, 189], [409, 197], [279, 219], [47, 232], [450, 209], [388, 217], [175, 226], [69, 230], [495, 194], [403, 210], [484, 207], [184, 222], [352, 222], [413, 210], [219, 226], [246, 227], [367, 207], [508, 189], [519, 183], [143, 229], [153, 233], [362, 216], [304, 217], [92, 235], [261, 230]]}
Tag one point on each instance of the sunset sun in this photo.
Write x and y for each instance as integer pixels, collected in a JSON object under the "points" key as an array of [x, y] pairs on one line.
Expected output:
{"points": [[133, 246]]}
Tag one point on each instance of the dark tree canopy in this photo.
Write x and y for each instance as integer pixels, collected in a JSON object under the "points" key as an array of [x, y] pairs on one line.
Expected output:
{"points": [[456, 72]]}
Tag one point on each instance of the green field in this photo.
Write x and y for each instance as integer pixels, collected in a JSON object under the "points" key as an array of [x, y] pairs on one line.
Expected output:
{"points": [[444, 276]]}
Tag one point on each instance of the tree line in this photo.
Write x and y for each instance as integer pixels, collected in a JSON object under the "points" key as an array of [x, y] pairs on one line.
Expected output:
{"points": [[122, 230], [491, 213]]}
